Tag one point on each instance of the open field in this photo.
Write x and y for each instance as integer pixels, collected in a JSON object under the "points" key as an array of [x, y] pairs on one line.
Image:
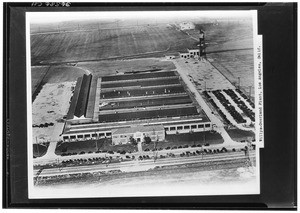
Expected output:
{"points": [[37, 74], [106, 43], [50, 106], [235, 65]]}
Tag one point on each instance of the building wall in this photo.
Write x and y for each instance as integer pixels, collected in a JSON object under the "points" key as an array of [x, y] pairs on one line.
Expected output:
{"points": [[184, 55], [86, 136], [139, 136], [186, 128]]}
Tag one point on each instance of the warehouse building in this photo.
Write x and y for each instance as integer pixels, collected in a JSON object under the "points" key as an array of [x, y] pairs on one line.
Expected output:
{"points": [[152, 104]]}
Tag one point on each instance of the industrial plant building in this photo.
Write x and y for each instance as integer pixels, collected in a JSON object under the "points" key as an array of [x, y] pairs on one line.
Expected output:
{"points": [[133, 105]]}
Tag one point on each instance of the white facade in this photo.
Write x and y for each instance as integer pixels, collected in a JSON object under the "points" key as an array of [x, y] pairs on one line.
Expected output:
{"points": [[123, 135], [188, 127]]}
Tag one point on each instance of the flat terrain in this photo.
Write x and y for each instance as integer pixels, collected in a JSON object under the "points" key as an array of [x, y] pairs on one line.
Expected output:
{"points": [[195, 179], [107, 43]]}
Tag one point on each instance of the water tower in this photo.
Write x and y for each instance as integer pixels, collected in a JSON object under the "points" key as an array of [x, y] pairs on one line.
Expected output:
{"points": [[202, 53]]}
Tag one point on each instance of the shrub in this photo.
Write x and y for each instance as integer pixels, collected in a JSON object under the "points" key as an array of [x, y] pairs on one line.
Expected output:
{"points": [[147, 150], [90, 152], [174, 147], [194, 145], [123, 152], [110, 152], [179, 147], [168, 147], [207, 144], [185, 146], [233, 149], [147, 140], [82, 152]]}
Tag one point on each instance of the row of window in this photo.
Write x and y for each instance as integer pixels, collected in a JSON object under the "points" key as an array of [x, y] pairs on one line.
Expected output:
{"points": [[94, 135], [137, 135], [199, 126]]}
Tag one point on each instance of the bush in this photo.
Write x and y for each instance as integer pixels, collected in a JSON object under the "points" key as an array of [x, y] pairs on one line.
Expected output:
{"points": [[194, 145], [127, 156], [233, 149], [82, 152], [186, 146], [123, 152], [90, 152], [147, 140], [110, 152], [174, 147], [168, 147], [147, 150], [179, 147], [207, 144]]}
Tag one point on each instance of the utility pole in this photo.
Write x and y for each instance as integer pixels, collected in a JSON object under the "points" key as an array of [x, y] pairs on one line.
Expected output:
{"points": [[250, 91], [37, 145]]}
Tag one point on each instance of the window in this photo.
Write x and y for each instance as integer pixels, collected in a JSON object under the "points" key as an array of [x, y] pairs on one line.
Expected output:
{"points": [[179, 128], [87, 135], [167, 129], [186, 127], [79, 136], [101, 135], [65, 137], [108, 134], [207, 125], [194, 126], [200, 126], [94, 135], [172, 128], [72, 136]]}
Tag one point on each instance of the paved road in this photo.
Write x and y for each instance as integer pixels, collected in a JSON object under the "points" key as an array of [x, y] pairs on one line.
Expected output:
{"points": [[145, 164]]}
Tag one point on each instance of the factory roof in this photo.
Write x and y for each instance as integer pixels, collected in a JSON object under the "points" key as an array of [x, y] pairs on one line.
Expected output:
{"points": [[80, 97]]}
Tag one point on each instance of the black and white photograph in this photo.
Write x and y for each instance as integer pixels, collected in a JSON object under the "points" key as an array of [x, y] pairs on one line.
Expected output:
{"points": [[142, 103]]}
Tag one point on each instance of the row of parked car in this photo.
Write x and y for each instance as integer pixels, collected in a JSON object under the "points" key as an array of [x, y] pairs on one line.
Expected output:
{"points": [[236, 116], [217, 108], [245, 97], [240, 104]]}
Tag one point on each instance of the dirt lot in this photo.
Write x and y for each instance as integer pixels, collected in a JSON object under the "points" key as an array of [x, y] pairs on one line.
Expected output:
{"points": [[105, 43], [50, 105]]}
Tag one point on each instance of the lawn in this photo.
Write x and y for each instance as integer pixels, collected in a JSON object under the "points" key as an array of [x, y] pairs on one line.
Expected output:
{"points": [[92, 146], [238, 134], [189, 139], [40, 149]]}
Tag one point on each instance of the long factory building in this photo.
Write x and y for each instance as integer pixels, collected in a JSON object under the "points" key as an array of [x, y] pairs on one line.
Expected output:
{"points": [[133, 105]]}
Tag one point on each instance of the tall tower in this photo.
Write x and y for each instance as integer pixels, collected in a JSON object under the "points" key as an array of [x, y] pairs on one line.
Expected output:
{"points": [[202, 53]]}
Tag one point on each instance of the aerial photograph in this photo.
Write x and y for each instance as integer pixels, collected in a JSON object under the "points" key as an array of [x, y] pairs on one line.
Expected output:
{"points": [[141, 103]]}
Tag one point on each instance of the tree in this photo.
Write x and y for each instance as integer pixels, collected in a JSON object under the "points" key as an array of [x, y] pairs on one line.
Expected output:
{"points": [[132, 140], [147, 139]]}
